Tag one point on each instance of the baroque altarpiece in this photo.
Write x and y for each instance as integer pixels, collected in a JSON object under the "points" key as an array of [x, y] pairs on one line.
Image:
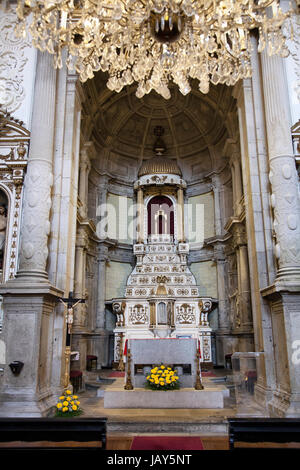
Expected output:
{"points": [[162, 299]]}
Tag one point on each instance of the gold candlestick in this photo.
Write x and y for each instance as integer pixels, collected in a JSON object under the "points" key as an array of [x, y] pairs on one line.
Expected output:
{"points": [[67, 366], [121, 365], [198, 384]]}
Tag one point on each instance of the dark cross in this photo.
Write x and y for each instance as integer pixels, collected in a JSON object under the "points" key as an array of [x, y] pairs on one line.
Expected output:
{"points": [[70, 303]]}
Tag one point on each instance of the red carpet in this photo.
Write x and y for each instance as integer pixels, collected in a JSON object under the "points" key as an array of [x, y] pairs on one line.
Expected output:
{"points": [[166, 443], [117, 374]]}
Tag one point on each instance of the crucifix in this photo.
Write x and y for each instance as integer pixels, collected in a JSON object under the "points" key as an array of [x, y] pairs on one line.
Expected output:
{"points": [[70, 303]]}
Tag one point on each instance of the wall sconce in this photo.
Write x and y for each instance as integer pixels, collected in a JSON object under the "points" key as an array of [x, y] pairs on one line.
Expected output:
{"points": [[16, 367]]}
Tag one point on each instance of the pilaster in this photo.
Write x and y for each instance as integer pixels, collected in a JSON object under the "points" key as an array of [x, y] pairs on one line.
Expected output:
{"points": [[102, 260], [257, 218]]}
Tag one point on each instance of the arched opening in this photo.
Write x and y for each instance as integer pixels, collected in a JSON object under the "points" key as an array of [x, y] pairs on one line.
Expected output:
{"points": [[160, 216]]}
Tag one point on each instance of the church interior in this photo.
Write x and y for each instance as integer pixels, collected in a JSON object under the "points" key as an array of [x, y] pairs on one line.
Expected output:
{"points": [[137, 232]]}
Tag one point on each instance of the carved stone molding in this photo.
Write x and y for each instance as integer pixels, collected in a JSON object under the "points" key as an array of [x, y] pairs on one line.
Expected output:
{"points": [[236, 227], [12, 63], [14, 140]]}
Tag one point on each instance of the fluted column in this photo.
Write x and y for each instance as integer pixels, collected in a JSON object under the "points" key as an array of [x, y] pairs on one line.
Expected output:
{"points": [[283, 175], [35, 227]]}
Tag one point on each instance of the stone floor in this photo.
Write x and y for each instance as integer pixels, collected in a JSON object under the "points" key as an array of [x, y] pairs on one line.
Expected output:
{"points": [[123, 424]]}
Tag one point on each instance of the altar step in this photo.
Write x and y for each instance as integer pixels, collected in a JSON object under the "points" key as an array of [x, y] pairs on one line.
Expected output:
{"points": [[95, 380]]}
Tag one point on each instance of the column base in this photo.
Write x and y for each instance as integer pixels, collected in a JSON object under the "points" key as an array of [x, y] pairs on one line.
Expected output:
{"points": [[14, 405], [289, 277], [281, 286], [284, 405], [28, 336], [262, 395], [284, 299], [20, 286], [31, 276]]}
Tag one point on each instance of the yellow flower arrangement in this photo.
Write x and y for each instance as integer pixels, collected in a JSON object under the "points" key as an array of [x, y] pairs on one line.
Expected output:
{"points": [[68, 405], [162, 378]]}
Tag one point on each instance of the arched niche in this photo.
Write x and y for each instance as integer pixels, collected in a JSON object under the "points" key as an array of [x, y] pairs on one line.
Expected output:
{"points": [[160, 215]]}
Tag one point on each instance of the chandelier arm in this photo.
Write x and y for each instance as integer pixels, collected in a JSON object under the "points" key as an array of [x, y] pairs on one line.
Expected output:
{"points": [[153, 42]]}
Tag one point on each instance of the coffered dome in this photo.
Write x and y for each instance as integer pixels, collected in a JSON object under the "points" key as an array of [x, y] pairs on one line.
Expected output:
{"points": [[159, 165], [122, 127]]}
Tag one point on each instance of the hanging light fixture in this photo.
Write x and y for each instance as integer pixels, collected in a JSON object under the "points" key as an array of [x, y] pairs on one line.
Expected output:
{"points": [[153, 42]]}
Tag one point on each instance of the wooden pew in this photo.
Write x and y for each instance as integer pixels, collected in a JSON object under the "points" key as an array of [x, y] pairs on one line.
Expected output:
{"points": [[64, 434], [253, 432]]}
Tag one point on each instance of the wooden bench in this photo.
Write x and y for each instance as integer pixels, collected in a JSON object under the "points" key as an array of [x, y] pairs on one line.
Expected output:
{"points": [[255, 431], [62, 434]]}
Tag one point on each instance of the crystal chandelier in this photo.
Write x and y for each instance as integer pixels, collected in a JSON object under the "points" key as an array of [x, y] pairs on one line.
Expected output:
{"points": [[153, 42]]}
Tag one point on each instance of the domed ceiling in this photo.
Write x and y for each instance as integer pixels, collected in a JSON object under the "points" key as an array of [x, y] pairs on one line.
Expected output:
{"points": [[194, 125]]}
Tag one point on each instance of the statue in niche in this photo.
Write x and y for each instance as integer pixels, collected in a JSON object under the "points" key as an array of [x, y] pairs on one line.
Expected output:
{"points": [[3, 223]]}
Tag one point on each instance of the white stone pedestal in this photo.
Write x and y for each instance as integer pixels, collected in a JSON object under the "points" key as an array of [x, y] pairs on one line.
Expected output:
{"points": [[210, 398]]}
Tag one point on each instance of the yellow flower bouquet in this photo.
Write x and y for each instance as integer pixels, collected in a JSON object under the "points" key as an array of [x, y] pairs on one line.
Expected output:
{"points": [[68, 405], [163, 378]]}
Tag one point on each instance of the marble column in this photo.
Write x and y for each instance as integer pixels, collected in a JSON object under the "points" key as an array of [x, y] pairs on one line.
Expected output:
{"points": [[237, 184], [30, 300], [180, 215], [243, 295], [102, 260], [283, 174], [84, 169], [216, 190], [257, 212], [223, 337], [101, 335], [284, 294], [79, 281], [101, 211], [234, 198], [35, 226], [140, 216]]}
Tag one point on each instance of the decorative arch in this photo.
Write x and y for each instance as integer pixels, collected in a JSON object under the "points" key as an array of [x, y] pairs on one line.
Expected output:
{"points": [[14, 141], [160, 216]]}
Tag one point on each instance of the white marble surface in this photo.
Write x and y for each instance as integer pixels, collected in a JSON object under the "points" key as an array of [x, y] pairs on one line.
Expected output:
{"points": [[209, 398]]}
